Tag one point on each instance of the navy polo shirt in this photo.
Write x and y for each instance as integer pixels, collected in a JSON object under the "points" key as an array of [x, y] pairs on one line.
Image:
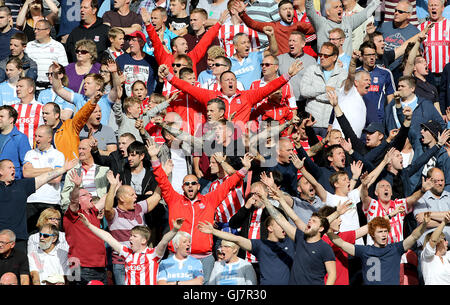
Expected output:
{"points": [[13, 205]]}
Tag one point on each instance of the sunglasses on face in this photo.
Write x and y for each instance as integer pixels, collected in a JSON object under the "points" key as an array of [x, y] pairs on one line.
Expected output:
{"points": [[325, 55], [177, 65], [187, 183], [400, 11], [219, 65], [84, 52], [266, 64], [45, 235]]}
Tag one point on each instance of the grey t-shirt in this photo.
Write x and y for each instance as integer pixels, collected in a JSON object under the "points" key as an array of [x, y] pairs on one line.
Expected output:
{"points": [[136, 181], [286, 60], [104, 135], [304, 209]]}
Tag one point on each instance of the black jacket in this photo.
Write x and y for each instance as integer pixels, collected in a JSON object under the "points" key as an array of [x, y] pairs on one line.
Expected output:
{"points": [[114, 161], [98, 33]]}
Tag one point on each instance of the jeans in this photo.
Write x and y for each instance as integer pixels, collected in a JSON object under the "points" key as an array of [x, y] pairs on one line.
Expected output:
{"points": [[92, 273], [119, 274]]}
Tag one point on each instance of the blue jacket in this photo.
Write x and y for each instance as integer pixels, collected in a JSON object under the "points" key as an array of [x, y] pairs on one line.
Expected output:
{"points": [[424, 112], [14, 149], [444, 90]]}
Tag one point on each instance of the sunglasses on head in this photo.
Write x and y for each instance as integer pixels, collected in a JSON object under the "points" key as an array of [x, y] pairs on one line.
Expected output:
{"points": [[187, 183], [81, 52], [45, 235]]}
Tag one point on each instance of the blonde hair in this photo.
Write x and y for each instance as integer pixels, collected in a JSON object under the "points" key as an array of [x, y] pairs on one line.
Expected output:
{"points": [[45, 215], [216, 51], [129, 101], [158, 98], [90, 46]]}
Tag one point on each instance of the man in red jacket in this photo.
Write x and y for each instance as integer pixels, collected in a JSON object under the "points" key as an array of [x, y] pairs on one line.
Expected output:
{"points": [[180, 45], [238, 104], [282, 28], [194, 207]]}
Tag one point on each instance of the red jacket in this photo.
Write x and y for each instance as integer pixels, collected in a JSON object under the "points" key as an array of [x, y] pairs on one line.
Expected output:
{"points": [[196, 54], [202, 209], [241, 102], [282, 32]]}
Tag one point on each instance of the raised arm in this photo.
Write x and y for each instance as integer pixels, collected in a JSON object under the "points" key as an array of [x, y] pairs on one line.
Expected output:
{"points": [[162, 245], [345, 246], [49, 176], [427, 184], [102, 234], [299, 164], [116, 90], [114, 184], [415, 235], [279, 218], [207, 228], [273, 44], [57, 84], [436, 235]]}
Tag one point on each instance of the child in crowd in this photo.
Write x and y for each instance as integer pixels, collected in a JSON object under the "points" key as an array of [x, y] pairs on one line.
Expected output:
{"points": [[116, 37], [179, 21]]}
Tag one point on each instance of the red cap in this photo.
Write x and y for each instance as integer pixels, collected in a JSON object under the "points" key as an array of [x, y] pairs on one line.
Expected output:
{"points": [[95, 282], [138, 34]]}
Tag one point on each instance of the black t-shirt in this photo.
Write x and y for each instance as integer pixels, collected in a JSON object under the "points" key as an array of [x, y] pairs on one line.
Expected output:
{"points": [[178, 23], [13, 205], [16, 262], [426, 90]]}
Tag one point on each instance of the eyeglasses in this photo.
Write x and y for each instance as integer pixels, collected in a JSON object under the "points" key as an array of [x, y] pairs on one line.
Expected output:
{"points": [[45, 235], [187, 183], [178, 65], [37, 29], [48, 74], [370, 55], [266, 64], [82, 52], [3, 243], [325, 55], [218, 65], [54, 219], [400, 11]]}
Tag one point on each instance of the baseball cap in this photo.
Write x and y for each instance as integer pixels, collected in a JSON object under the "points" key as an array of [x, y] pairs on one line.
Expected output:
{"points": [[374, 126], [433, 127], [138, 34]]}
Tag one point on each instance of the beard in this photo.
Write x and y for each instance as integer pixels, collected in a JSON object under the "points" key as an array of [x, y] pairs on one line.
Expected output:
{"points": [[45, 245]]}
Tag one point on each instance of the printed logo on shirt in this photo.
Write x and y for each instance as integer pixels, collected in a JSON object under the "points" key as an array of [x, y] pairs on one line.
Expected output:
{"points": [[374, 88], [375, 80], [96, 38], [201, 206]]}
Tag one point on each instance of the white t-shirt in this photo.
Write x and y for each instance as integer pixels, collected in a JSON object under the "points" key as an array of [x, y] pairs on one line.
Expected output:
{"points": [[179, 169], [354, 108], [48, 193], [435, 272], [350, 220], [48, 264]]}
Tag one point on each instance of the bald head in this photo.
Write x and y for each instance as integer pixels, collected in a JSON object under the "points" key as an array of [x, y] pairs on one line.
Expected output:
{"points": [[8, 278]]}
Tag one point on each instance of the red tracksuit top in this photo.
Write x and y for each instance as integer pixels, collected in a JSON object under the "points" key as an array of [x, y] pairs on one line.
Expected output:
{"points": [[241, 102], [202, 209], [196, 54]]}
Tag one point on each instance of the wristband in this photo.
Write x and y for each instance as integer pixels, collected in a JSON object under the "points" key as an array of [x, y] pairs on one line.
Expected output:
{"points": [[389, 216]]}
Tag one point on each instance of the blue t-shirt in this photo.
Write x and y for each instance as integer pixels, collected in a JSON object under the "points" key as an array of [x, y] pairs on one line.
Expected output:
{"points": [[167, 37], [7, 94], [173, 269], [380, 266], [395, 37], [105, 104], [381, 86], [309, 261], [204, 76], [138, 70], [48, 95], [70, 16], [275, 260], [249, 69]]}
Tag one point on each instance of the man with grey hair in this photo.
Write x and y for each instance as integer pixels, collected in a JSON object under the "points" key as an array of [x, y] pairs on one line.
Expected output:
{"points": [[48, 260], [181, 268], [335, 18], [11, 259], [8, 278]]}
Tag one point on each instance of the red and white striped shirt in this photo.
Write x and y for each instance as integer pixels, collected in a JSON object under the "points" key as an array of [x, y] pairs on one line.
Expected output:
{"points": [[437, 45], [376, 209], [231, 204], [29, 118], [228, 31], [140, 268], [254, 232]]}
